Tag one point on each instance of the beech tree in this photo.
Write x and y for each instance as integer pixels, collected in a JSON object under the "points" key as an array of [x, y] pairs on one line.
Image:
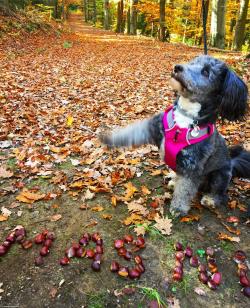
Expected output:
{"points": [[239, 34], [162, 28], [133, 17], [106, 14], [217, 30]]}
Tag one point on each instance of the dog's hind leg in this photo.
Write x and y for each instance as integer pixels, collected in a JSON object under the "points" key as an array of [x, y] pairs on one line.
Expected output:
{"points": [[217, 187], [185, 190]]}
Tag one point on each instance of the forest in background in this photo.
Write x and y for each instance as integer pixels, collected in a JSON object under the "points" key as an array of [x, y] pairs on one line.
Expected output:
{"points": [[167, 20]]}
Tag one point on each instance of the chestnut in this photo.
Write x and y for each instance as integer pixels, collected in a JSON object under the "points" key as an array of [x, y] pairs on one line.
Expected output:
{"points": [[123, 271], [45, 232], [210, 251], [216, 278], [11, 238], [128, 238], [140, 268], [99, 249], [50, 236], [64, 261], [180, 256], [87, 236], [114, 267], [178, 246], [6, 244], [203, 277], [177, 277], [246, 291], [178, 263], [202, 268], [134, 273], [212, 285], [39, 261], [20, 232], [119, 244], [244, 281], [98, 257], [3, 250], [239, 256], [44, 251], [80, 252], [75, 246], [39, 238], [90, 253], [48, 243], [20, 238], [99, 242], [140, 242], [122, 251], [83, 241], [178, 269], [188, 252], [96, 266], [96, 236], [138, 259], [194, 261], [128, 255]]}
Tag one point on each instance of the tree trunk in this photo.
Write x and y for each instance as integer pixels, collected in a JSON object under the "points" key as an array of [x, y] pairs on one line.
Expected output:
{"points": [[106, 14], [133, 17], [120, 26], [162, 29], [85, 4], [94, 12], [218, 23], [239, 34], [128, 21], [64, 10]]}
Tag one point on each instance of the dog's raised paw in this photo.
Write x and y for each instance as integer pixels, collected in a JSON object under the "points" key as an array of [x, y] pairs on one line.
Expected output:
{"points": [[208, 201]]}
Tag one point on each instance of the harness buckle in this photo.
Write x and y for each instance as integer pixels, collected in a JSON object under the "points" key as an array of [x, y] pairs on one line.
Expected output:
{"points": [[196, 130]]}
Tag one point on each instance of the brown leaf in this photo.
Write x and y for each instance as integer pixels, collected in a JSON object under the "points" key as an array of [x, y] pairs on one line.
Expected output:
{"points": [[131, 189], [145, 190], [224, 236], [133, 219], [136, 207], [4, 173], [55, 217], [114, 201], [3, 218], [190, 218], [140, 230], [29, 197], [107, 216], [231, 229], [97, 208], [53, 291], [164, 225]]}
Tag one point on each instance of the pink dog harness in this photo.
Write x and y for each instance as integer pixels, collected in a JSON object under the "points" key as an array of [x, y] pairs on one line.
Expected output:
{"points": [[177, 138]]}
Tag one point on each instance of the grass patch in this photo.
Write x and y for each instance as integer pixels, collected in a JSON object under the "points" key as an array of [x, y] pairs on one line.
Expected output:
{"points": [[152, 294], [11, 163], [67, 44], [227, 247], [96, 300], [185, 285]]}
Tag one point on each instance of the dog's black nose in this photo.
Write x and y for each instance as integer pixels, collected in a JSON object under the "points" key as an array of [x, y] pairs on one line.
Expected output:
{"points": [[178, 68]]}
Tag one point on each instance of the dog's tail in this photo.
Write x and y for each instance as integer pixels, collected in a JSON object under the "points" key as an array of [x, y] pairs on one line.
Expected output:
{"points": [[136, 134], [240, 162]]}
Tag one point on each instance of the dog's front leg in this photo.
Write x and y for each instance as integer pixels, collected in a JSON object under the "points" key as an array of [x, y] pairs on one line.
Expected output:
{"points": [[185, 190]]}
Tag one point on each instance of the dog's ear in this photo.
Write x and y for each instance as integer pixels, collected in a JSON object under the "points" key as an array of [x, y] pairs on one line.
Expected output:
{"points": [[234, 97]]}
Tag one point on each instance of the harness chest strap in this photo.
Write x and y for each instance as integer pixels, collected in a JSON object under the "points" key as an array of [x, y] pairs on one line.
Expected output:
{"points": [[177, 138]]}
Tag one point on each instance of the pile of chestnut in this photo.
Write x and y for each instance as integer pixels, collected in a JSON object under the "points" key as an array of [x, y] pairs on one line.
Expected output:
{"points": [[16, 235], [45, 239], [208, 275], [124, 271], [78, 250], [240, 258]]}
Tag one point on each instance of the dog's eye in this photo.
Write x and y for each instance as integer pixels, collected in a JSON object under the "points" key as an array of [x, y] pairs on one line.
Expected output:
{"points": [[205, 71]]}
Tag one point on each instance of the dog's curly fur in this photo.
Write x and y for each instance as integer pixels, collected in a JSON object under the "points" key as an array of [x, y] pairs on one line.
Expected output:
{"points": [[210, 85]]}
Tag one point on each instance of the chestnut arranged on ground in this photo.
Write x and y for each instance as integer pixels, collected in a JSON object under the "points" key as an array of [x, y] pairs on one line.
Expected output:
{"points": [[207, 275], [45, 239], [240, 259], [122, 251], [17, 235], [78, 250]]}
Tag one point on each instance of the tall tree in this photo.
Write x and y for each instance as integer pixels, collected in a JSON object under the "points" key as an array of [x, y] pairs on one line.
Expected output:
{"points": [[162, 29], [106, 14], [128, 20], [217, 30], [120, 23], [239, 34], [133, 16], [5, 6], [85, 5]]}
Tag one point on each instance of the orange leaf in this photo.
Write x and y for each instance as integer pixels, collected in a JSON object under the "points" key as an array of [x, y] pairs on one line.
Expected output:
{"points": [[114, 201], [131, 189], [97, 208], [29, 197], [190, 218], [133, 219], [145, 190], [232, 230], [107, 216], [3, 218], [224, 236]]}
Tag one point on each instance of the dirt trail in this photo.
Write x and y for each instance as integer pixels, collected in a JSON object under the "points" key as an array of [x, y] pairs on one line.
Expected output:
{"points": [[58, 92]]}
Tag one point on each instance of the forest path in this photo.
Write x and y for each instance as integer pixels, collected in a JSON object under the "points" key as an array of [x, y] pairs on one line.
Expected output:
{"points": [[58, 91]]}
